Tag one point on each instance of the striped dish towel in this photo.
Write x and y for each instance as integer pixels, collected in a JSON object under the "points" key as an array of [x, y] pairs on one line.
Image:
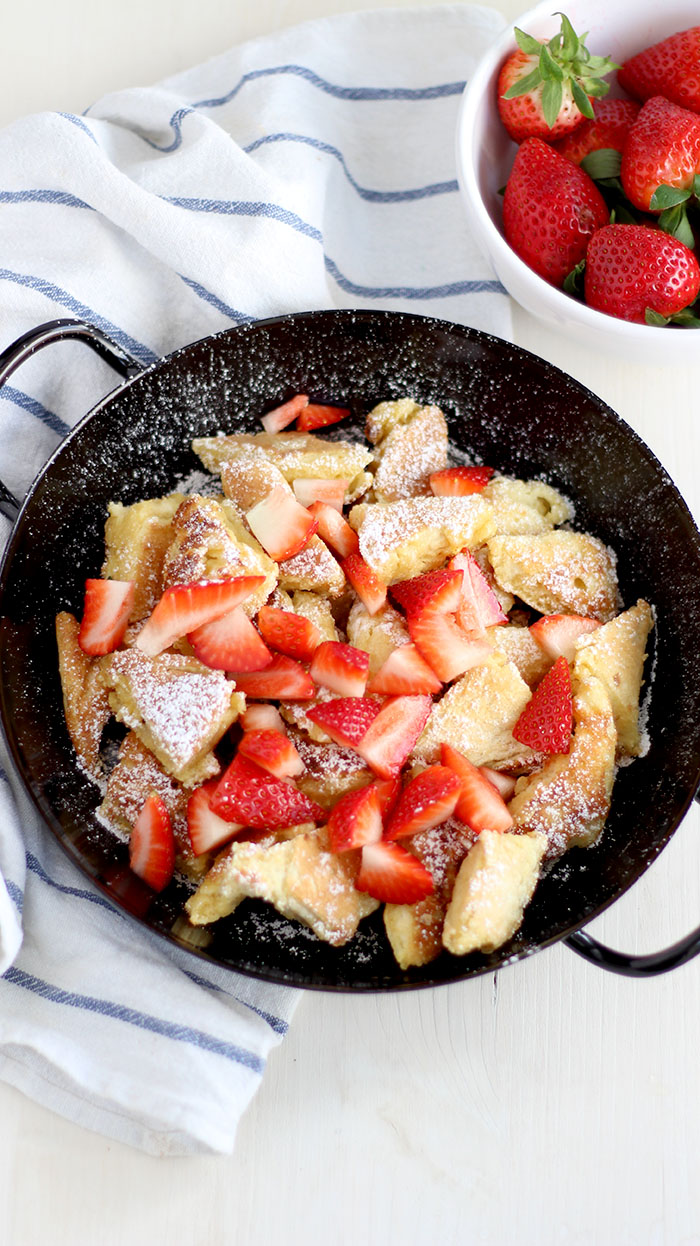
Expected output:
{"points": [[307, 170]]}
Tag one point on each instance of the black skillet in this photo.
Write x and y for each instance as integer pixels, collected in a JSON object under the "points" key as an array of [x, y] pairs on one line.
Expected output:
{"points": [[506, 408]]}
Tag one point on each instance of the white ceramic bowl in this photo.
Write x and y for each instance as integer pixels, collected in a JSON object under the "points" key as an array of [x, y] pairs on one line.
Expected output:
{"points": [[485, 157]]}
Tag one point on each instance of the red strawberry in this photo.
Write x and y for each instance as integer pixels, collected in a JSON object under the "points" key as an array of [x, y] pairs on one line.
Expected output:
{"points": [[106, 613], [230, 643], [356, 820], [670, 68], [459, 481], [152, 844], [342, 668], [480, 805], [390, 873], [556, 634], [404, 672], [249, 796], [284, 679], [335, 530], [206, 829], [443, 644], [662, 149], [608, 129], [272, 752], [545, 723], [346, 719], [185, 607], [640, 274], [261, 717], [389, 791], [316, 415], [283, 415], [282, 526], [551, 208], [426, 801], [310, 489], [479, 606], [366, 583], [392, 735], [438, 590], [544, 88], [289, 633], [503, 783]]}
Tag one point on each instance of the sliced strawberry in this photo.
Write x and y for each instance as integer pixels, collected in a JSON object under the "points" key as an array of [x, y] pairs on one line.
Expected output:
{"points": [[545, 723], [272, 752], [289, 633], [282, 526], [342, 668], [557, 634], [459, 481], [356, 820], [185, 607], [390, 873], [106, 613], [346, 719], [389, 791], [366, 583], [479, 606], [152, 844], [283, 680], [426, 801], [262, 717], [438, 590], [279, 417], [206, 829], [503, 783], [230, 643], [335, 531], [404, 672], [480, 805], [447, 649], [310, 489], [391, 737], [249, 796], [316, 415]]}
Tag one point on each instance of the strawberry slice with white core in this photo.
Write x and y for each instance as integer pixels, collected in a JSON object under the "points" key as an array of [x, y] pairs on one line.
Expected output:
{"points": [[230, 643], [262, 717], [340, 667], [106, 611], [317, 415], [445, 647], [404, 672], [480, 805], [289, 633], [392, 874], [345, 719], [426, 801], [279, 417], [283, 680], [205, 828], [366, 583], [282, 526], [390, 739], [503, 783], [356, 820], [335, 530], [439, 591], [152, 844], [249, 796], [479, 606], [459, 481], [310, 489], [272, 752], [185, 607], [556, 634]]}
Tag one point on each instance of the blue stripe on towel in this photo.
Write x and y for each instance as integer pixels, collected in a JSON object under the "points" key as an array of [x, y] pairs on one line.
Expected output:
{"points": [[275, 1023], [238, 316], [78, 121], [39, 195], [142, 1020], [27, 403], [15, 893], [79, 892]]}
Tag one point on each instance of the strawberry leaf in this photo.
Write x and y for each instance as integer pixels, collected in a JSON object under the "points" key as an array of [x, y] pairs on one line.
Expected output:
{"points": [[655, 318], [573, 282], [603, 163], [667, 197], [524, 85], [551, 101], [549, 67], [581, 100], [527, 44], [569, 38], [674, 221], [620, 214]]}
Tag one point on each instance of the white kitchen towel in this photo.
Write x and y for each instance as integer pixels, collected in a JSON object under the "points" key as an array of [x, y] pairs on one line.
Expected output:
{"points": [[314, 168]]}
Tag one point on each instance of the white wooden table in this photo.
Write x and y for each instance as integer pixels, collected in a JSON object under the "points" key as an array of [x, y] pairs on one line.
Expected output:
{"points": [[550, 1104]]}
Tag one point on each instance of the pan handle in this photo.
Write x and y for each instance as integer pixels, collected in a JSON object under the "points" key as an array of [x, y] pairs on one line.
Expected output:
{"points": [[635, 966], [43, 335]]}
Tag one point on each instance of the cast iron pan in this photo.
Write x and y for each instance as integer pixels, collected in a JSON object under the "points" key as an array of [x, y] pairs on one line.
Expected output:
{"points": [[505, 407]]}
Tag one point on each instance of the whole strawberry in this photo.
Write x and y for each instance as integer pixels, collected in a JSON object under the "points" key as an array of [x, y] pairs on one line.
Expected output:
{"points": [[670, 68], [544, 88], [551, 208], [608, 129], [662, 149], [640, 274]]}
